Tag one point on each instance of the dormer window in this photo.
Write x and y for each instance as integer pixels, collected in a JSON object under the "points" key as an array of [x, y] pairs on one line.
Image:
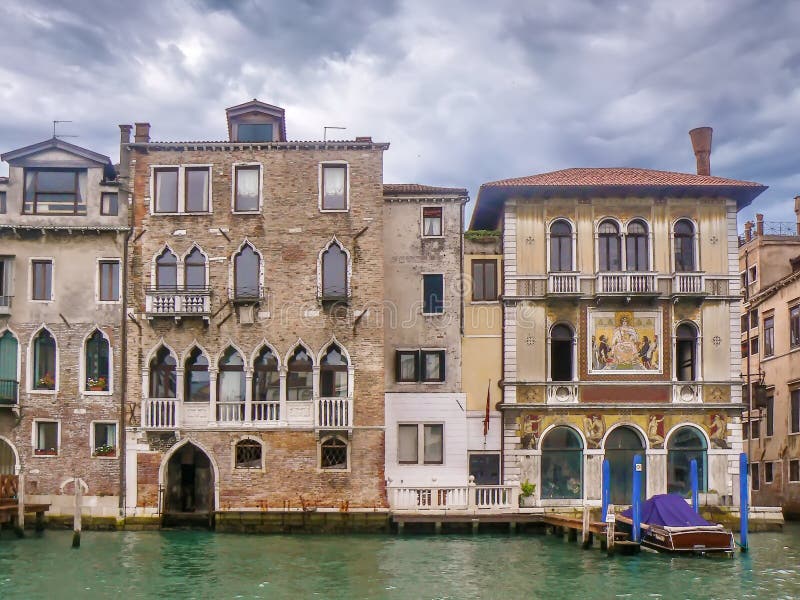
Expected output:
{"points": [[254, 132], [54, 192]]}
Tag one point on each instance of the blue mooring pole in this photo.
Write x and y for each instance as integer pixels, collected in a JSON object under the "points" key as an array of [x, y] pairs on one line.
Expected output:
{"points": [[693, 471], [636, 503], [606, 492], [744, 501]]}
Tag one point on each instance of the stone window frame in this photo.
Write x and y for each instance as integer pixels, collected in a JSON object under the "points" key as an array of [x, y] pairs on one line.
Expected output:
{"points": [[182, 266], [320, 181], [98, 281], [181, 168], [573, 234], [116, 438], [789, 478], [82, 364], [232, 270], [698, 351], [351, 370], [16, 337], [52, 261], [442, 352], [422, 210], [696, 240], [334, 436], [234, 181], [349, 270], [575, 354], [421, 425], [622, 228], [35, 437], [484, 261], [30, 373], [422, 293], [146, 375], [248, 438]]}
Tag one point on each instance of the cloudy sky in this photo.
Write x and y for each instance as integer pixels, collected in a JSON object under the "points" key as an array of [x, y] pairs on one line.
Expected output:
{"points": [[466, 92]]}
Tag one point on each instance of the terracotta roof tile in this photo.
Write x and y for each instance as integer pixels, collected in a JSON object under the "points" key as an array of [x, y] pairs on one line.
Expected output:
{"points": [[618, 176], [419, 189]]}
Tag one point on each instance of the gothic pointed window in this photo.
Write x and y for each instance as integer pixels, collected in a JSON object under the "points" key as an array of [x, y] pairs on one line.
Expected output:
{"points": [[333, 373], [166, 270], [97, 363], [231, 387], [9, 357], [266, 377], [163, 374], [299, 385], [197, 381], [195, 269], [247, 274], [44, 361], [334, 273]]}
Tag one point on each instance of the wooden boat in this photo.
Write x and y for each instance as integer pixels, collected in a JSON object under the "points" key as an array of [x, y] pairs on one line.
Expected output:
{"points": [[668, 524]]}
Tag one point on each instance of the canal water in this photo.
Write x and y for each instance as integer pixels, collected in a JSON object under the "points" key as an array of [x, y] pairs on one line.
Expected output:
{"points": [[189, 564]]}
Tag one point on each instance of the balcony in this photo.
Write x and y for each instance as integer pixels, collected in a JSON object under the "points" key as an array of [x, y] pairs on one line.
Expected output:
{"points": [[562, 393], [626, 283], [333, 413], [563, 284], [160, 413], [460, 498], [688, 284], [9, 392], [687, 393], [178, 303], [5, 305]]}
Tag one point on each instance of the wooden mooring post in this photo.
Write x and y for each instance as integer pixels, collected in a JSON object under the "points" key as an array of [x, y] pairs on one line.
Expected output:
{"points": [[19, 528], [76, 522], [611, 519], [587, 537]]}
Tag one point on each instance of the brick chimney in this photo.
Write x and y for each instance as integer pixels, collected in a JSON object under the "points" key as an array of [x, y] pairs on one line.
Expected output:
{"points": [[701, 143], [142, 135], [759, 224], [748, 231], [125, 134], [797, 212]]}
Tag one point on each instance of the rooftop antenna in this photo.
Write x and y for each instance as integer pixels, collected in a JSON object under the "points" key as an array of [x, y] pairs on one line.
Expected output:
{"points": [[325, 131], [62, 135]]}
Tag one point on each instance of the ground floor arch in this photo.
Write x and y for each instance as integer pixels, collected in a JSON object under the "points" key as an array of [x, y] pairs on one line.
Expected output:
{"points": [[621, 445], [562, 464], [188, 480], [686, 444], [9, 459]]}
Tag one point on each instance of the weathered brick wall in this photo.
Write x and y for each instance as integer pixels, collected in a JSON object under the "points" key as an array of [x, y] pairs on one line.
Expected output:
{"points": [[289, 232]]}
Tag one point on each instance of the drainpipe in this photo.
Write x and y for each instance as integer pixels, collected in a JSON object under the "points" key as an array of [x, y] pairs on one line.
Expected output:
{"points": [[749, 386]]}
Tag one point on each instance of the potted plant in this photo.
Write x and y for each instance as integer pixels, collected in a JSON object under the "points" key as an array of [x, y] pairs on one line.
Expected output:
{"points": [[97, 384], [526, 497], [105, 450], [45, 452], [46, 382]]}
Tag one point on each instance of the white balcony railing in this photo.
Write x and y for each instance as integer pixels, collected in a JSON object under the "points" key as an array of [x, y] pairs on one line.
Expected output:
{"points": [[5, 305], [333, 413], [160, 413], [178, 302], [230, 412], [266, 412], [562, 393], [563, 283], [626, 283], [688, 283], [459, 497]]}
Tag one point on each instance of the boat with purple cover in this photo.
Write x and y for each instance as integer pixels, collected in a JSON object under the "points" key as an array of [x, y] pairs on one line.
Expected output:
{"points": [[668, 524]]}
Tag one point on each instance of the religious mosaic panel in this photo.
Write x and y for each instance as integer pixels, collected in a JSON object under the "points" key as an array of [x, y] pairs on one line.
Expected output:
{"points": [[625, 342]]}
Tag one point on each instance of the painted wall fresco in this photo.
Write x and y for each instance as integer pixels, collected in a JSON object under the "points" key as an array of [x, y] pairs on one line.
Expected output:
{"points": [[624, 342]]}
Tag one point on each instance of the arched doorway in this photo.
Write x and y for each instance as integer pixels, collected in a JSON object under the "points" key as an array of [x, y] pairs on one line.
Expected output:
{"points": [[562, 465], [622, 444], [189, 482], [686, 444], [8, 459]]}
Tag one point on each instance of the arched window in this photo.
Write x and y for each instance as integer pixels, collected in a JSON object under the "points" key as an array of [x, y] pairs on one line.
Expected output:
{"points": [[97, 362], [684, 234], [562, 464], [560, 246], [195, 269], [561, 351], [686, 352], [166, 270], [247, 274], [333, 453], [333, 373], [9, 349], [621, 446], [609, 246], [44, 361], [686, 444], [266, 377], [162, 374], [637, 247], [231, 378], [197, 381], [299, 385], [334, 273]]}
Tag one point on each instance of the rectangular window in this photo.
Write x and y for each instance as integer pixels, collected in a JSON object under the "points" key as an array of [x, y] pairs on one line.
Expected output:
{"points": [[794, 326], [432, 221], [433, 294], [754, 345], [109, 204], [755, 482], [42, 280], [770, 416], [484, 280], [334, 187], [54, 192], [407, 444], [434, 444], [166, 190], [105, 439], [432, 365], [754, 318], [752, 276], [794, 412], [485, 468], [794, 471], [3, 207], [744, 350], [755, 428], [769, 336], [745, 429], [247, 188], [109, 280], [6, 265], [254, 132], [407, 365], [46, 438], [743, 278], [768, 475], [197, 179], [745, 322]]}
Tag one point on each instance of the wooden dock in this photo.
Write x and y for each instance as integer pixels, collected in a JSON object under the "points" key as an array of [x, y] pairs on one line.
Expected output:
{"points": [[13, 507]]}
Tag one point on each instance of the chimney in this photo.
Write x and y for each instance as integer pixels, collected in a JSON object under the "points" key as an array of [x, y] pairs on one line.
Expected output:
{"points": [[748, 231], [142, 135], [759, 224], [797, 212], [124, 134], [701, 142]]}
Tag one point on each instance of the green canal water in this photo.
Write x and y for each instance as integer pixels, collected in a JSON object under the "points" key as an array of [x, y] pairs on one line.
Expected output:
{"points": [[188, 564]]}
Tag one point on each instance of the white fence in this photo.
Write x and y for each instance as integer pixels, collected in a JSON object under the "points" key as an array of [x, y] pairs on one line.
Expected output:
{"points": [[626, 283], [160, 413], [688, 283], [563, 283], [335, 413], [464, 497]]}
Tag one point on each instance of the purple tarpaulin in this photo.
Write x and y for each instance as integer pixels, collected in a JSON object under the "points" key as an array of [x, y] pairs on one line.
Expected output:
{"points": [[668, 510]]}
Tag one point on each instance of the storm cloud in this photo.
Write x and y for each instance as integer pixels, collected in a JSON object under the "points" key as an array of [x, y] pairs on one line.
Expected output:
{"points": [[466, 92]]}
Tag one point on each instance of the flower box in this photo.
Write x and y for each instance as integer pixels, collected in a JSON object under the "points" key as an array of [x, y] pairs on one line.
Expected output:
{"points": [[45, 452], [105, 451]]}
